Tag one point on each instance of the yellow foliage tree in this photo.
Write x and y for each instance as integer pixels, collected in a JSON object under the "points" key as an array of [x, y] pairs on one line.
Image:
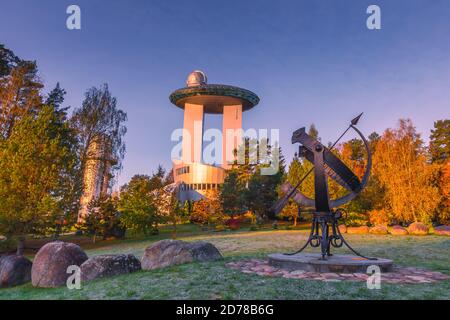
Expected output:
{"points": [[401, 165], [208, 210]]}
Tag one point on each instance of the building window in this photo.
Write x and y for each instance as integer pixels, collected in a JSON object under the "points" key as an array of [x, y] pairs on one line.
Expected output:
{"points": [[182, 170]]}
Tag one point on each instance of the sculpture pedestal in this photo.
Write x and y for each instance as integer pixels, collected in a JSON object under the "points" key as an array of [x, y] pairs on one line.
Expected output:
{"points": [[336, 263]]}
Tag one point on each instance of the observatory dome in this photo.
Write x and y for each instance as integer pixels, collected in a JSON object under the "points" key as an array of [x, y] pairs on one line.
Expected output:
{"points": [[196, 78]]}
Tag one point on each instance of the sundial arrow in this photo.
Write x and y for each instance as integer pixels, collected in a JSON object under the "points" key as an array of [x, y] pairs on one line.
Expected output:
{"points": [[355, 121], [281, 203]]}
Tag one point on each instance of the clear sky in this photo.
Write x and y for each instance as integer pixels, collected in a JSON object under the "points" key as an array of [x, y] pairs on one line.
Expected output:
{"points": [[310, 61]]}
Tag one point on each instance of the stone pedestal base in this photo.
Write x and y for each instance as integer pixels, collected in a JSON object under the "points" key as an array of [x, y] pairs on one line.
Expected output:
{"points": [[335, 263]]}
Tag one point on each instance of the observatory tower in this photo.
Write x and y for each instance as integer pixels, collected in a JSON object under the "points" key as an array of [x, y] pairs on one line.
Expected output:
{"points": [[196, 99]]}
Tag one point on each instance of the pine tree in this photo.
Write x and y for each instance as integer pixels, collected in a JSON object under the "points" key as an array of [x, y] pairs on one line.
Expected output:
{"points": [[19, 95], [231, 194], [440, 141]]}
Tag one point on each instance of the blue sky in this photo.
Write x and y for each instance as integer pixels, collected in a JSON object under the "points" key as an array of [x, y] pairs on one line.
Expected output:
{"points": [[310, 61]]}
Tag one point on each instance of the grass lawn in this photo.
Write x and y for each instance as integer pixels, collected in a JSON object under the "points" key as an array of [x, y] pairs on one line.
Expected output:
{"points": [[215, 281]]}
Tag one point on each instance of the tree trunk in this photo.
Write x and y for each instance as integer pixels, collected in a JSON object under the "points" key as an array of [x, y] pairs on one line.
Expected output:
{"points": [[21, 245], [57, 232], [295, 221], [174, 233]]}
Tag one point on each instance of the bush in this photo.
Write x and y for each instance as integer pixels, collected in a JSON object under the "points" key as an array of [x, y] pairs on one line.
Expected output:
{"points": [[219, 228], [233, 224], [253, 227], [379, 217], [248, 218], [354, 219]]}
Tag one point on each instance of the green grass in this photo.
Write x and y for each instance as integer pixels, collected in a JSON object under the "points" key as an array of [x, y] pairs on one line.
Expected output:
{"points": [[215, 281]]}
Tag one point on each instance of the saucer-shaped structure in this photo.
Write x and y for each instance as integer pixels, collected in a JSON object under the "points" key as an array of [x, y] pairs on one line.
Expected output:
{"points": [[214, 96]]}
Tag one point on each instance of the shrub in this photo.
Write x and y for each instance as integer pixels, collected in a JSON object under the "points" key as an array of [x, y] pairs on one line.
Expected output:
{"points": [[354, 219], [233, 224], [377, 217], [199, 214]]}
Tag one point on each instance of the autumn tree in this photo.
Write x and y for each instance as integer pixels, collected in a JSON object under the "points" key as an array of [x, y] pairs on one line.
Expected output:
{"points": [[400, 163], [208, 211], [353, 154], [20, 90], [291, 212]]}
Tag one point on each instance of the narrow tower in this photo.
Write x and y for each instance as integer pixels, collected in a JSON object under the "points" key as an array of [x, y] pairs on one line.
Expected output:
{"points": [[97, 173]]}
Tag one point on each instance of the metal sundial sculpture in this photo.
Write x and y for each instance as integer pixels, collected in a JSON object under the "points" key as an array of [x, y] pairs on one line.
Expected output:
{"points": [[325, 225]]}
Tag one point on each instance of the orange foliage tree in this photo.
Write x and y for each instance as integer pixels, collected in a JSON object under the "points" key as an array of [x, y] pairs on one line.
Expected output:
{"points": [[401, 166]]}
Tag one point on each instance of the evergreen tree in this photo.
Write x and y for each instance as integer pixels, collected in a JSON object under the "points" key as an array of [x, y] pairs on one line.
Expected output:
{"points": [[440, 155], [231, 194], [8, 60], [102, 217], [440, 141], [55, 98]]}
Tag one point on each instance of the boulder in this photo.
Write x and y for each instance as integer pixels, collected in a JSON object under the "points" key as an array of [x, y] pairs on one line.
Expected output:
{"points": [[342, 228], [109, 265], [398, 231], [14, 270], [418, 229], [358, 230], [442, 230], [2, 238], [51, 263], [378, 229], [166, 253]]}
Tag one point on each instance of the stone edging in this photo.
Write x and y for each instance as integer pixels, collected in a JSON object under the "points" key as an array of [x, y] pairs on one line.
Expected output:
{"points": [[402, 275]]}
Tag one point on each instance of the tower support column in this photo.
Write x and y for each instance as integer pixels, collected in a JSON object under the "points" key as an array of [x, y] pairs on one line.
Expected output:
{"points": [[231, 133], [193, 133]]}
